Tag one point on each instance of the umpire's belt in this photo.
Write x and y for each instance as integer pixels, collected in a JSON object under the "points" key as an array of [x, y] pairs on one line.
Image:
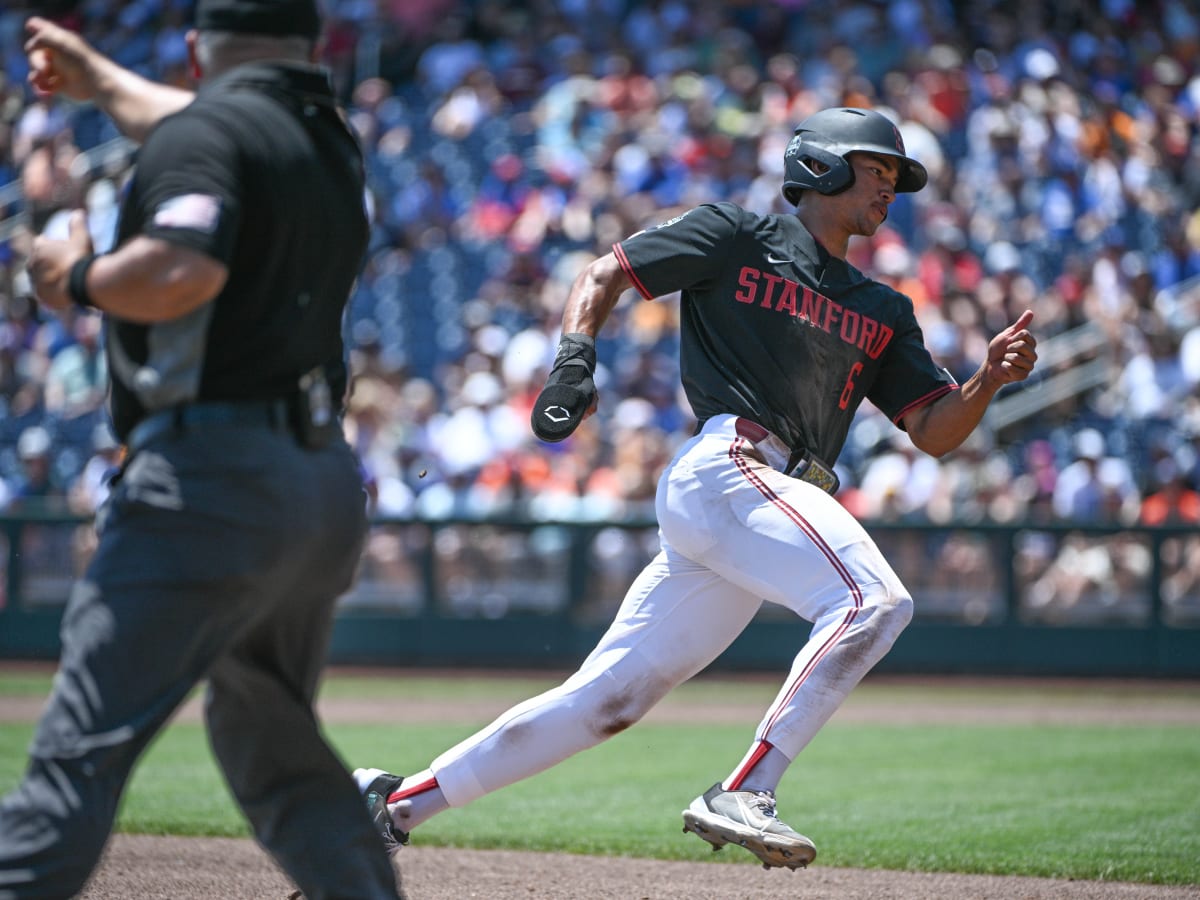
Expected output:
{"points": [[267, 413]]}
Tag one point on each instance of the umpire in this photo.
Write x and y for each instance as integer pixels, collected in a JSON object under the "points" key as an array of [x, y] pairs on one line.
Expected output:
{"points": [[239, 517]]}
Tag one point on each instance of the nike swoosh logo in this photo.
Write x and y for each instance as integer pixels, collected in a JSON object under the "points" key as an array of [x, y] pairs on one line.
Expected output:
{"points": [[774, 260]]}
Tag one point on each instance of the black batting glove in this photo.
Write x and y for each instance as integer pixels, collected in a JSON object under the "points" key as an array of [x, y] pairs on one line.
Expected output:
{"points": [[569, 392]]}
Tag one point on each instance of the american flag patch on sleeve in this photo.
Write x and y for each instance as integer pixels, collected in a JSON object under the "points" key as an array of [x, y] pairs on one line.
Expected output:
{"points": [[198, 212]]}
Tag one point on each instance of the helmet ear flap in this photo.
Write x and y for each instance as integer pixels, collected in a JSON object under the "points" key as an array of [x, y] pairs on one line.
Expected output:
{"points": [[800, 175]]}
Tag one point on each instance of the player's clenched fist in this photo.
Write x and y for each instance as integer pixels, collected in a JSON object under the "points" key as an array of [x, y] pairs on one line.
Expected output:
{"points": [[569, 396], [1012, 353]]}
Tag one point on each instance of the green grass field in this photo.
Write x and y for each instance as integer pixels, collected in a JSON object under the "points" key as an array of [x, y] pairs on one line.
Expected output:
{"points": [[1093, 801]]}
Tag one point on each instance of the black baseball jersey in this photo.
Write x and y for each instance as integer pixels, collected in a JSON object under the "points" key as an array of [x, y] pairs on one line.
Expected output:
{"points": [[261, 173], [776, 330]]}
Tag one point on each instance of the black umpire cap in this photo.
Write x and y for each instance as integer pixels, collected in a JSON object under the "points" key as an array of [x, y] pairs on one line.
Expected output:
{"points": [[271, 17]]}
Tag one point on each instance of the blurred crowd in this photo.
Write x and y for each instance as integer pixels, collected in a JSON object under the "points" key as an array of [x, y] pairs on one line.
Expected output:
{"points": [[510, 141]]}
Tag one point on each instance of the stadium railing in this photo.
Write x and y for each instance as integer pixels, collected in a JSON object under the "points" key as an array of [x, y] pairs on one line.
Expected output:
{"points": [[1032, 598]]}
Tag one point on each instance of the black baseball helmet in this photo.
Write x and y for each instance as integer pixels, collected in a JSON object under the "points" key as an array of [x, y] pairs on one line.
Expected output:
{"points": [[828, 136]]}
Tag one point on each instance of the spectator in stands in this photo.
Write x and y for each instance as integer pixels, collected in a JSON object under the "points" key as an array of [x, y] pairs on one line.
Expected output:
{"points": [[1091, 581], [11, 380], [77, 378], [1096, 488], [91, 486], [1039, 475], [1153, 381], [899, 482], [88, 492], [1173, 501], [1181, 581], [38, 488]]}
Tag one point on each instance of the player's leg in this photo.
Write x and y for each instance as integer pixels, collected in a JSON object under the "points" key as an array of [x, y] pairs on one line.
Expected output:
{"points": [[845, 642], [858, 608], [300, 800], [794, 545], [675, 619]]}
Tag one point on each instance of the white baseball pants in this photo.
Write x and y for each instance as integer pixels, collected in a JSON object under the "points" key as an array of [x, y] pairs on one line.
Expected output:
{"points": [[735, 531]]}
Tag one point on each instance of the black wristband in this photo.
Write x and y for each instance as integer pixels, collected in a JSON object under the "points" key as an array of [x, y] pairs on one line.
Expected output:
{"points": [[576, 348], [77, 282]]}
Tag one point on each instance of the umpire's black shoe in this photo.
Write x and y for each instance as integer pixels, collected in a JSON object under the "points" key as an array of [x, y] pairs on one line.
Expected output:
{"points": [[382, 786]]}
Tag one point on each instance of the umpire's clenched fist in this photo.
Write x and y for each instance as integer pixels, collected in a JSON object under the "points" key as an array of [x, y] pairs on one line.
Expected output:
{"points": [[50, 262]]}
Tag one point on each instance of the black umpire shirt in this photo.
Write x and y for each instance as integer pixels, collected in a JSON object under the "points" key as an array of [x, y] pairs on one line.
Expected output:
{"points": [[776, 330], [260, 172]]}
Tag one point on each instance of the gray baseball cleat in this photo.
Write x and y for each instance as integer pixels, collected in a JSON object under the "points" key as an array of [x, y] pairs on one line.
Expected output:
{"points": [[381, 787], [747, 819]]}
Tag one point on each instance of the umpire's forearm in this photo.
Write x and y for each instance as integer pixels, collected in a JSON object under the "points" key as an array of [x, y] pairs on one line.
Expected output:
{"points": [[134, 103], [62, 62], [593, 295]]}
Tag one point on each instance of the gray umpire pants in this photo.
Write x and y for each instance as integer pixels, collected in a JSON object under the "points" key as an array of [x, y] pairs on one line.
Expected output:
{"points": [[221, 555]]}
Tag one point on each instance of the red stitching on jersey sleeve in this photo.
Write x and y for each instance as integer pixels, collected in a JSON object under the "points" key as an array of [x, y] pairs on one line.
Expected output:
{"points": [[627, 267], [923, 401]]}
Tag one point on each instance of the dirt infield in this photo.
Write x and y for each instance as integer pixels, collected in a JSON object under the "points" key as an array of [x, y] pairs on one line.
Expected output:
{"points": [[145, 867], [171, 868]]}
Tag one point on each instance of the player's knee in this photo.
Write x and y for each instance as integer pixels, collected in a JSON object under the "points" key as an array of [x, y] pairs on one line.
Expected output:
{"points": [[891, 611], [900, 609]]}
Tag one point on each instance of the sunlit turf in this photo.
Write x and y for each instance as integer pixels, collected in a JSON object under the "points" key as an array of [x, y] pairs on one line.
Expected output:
{"points": [[1071, 801]]}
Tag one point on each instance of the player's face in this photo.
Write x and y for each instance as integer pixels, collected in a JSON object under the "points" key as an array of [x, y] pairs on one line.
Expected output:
{"points": [[872, 193]]}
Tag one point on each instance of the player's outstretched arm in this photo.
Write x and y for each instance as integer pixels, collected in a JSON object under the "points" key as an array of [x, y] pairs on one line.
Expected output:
{"points": [[942, 425], [569, 396], [62, 62]]}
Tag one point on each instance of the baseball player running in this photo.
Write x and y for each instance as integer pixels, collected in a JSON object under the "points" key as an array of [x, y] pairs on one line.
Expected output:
{"points": [[781, 341]]}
